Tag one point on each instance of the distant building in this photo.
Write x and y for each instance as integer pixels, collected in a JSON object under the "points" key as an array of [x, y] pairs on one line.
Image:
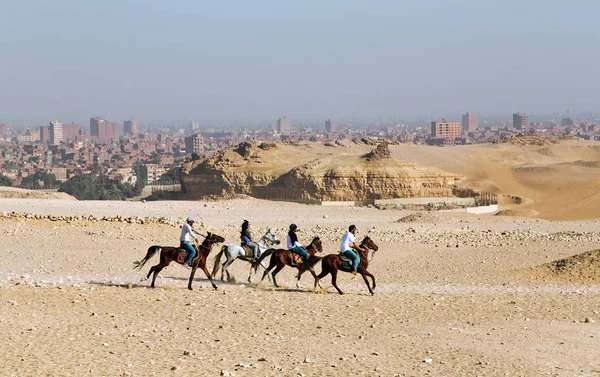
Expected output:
{"points": [[131, 128], [109, 132], [470, 122], [95, 126], [56, 132], [49, 157], [3, 131], [567, 122], [103, 131], [194, 144], [330, 125], [445, 130], [520, 121], [44, 134], [194, 126], [284, 126], [70, 132]]}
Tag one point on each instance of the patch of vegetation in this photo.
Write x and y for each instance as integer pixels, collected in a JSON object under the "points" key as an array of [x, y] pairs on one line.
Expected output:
{"points": [[92, 187]]}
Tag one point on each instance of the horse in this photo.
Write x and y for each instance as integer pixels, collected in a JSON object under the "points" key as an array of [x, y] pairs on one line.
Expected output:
{"points": [[169, 254], [234, 251], [333, 263], [284, 257]]}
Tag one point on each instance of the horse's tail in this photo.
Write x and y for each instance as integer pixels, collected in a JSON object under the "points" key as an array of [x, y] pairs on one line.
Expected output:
{"points": [[261, 258], [151, 251], [218, 260]]}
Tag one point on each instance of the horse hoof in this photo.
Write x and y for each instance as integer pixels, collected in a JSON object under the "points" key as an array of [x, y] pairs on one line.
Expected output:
{"points": [[190, 288]]}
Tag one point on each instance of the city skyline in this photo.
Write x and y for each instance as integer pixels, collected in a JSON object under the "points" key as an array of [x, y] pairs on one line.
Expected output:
{"points": [[306, 60]]}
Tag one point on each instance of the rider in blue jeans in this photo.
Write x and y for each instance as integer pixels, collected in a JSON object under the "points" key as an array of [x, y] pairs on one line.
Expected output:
{"points": [[348, 243], [294, 246], [186, 233]]}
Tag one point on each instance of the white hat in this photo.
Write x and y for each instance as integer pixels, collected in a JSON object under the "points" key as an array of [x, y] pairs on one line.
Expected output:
{"points": [[190, 220]]}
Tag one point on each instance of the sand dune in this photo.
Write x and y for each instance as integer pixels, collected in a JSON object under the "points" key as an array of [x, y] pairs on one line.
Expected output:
{"points": [[556, 180]]}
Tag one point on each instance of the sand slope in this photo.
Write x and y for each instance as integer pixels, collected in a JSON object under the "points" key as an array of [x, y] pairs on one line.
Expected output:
{"points": [[556, 180]]}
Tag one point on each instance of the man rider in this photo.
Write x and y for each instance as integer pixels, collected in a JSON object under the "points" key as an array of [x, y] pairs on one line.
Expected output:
{"points": [[349, 243], [184, 240], [294, 246], [246, 239]]}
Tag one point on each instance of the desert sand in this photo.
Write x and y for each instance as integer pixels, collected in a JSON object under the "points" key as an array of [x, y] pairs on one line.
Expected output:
{"points": [[457, 295]]}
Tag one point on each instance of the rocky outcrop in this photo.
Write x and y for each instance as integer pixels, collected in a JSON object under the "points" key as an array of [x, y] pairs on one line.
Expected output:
{"points": [[312, 172]]}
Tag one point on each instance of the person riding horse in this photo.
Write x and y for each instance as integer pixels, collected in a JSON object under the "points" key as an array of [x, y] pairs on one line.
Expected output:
{"points": [[349, 243], [184, 240], [246, 239], [295, 247]]}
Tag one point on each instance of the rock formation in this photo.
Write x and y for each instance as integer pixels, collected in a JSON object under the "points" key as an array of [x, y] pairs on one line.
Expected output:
{"points": [[312, 172]]}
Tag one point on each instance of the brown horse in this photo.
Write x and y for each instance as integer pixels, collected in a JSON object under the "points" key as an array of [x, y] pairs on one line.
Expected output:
{"points": [[332, 263], [284, 257], [169, 254]]}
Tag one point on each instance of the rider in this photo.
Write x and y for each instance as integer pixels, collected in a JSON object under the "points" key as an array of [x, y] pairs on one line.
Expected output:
{"points": [[247, 239], [349, 243], [294, 246], [184, 240]]}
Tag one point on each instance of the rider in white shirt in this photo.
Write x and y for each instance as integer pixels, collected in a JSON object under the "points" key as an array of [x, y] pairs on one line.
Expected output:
{"points": [[184, 240], [349, 243]]}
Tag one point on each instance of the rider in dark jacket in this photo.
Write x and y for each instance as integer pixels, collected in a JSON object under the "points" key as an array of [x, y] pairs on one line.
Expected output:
{"points": [[246, 238]]}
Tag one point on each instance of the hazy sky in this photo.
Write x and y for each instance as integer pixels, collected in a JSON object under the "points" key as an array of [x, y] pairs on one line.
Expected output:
{"points": [[206, 60]]}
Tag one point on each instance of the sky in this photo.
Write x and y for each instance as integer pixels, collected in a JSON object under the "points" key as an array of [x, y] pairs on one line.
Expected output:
{"points": [[179, 60]]}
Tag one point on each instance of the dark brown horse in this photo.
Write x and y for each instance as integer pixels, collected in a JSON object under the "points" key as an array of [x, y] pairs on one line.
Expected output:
{"points": [[169, 254], [332, 263], [283, 257]]}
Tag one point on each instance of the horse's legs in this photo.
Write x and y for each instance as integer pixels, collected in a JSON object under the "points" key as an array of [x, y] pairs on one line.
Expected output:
{"points": [[324, 272], [271, 265], [367, 282], [367, 273], [208, 276], [334, 273], [314, 274], [192, 278], [156, 269], [226, 265], [250, 274], [277, 269], [150, 272]]}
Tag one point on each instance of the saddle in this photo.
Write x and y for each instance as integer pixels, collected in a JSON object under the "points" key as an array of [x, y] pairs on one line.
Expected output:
{"points": [[248, 250], [182, 256], [346, 262], [295, 258]]}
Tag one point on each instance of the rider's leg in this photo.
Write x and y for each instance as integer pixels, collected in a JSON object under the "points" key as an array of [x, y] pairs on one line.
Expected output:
{"points": [[304, 255], [254, 248], [355, 259], [191, 252]]}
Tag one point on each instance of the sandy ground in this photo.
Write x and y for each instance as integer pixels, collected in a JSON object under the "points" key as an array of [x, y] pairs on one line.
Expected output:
{"points": [[457, 295]]}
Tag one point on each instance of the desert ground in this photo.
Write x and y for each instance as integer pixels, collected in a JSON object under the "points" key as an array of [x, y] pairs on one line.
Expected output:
{"points": [[457, 295]]}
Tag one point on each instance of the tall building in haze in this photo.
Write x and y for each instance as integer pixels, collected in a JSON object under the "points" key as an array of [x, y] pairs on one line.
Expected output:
{"points": [[56, 132], [445, 130], [194, 144], [284, 126], [330, 125], [3, 131], [70, 132], [131, 128], [520, 121], [95, 126], [108, 131], [470, 122]]}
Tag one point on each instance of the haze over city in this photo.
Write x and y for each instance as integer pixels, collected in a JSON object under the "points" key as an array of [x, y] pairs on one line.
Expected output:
{"points": [[256, 61]]}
